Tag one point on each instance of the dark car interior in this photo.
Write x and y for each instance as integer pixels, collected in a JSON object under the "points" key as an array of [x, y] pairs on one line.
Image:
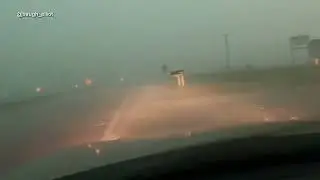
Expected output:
{"points": [[259, 157]]}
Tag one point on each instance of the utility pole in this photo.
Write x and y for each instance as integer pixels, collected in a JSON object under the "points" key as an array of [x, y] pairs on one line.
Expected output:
{"points": [[293, 60], [291, 50], [227, 49]]}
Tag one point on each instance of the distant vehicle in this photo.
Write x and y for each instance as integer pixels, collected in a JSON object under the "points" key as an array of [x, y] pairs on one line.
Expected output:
{"points": [[39, 90], [88, 81]]}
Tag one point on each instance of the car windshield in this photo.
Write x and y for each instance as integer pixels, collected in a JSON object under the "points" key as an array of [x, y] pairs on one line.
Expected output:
{"points": [[77, 72]]}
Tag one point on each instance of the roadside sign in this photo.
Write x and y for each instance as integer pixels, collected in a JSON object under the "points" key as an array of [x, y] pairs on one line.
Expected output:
{"points": [[314, 48], [300, 41]]}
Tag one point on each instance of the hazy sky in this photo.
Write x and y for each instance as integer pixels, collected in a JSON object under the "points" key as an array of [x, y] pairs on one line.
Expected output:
{"points": [[116, 37]]}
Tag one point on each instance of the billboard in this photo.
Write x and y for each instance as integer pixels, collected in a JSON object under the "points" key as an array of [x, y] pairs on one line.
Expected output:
{"points": [[314, 48], [300, 41]]}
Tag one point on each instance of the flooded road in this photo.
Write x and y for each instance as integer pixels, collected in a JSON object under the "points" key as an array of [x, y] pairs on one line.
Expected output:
{"points": [[35, 129], [151, 112]]}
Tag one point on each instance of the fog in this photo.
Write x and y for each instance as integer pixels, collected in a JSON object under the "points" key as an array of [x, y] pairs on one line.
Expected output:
{"points": [[106, 40]]}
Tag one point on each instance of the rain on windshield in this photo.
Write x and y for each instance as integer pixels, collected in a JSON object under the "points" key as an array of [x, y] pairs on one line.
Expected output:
{"points": [[77, 72]]}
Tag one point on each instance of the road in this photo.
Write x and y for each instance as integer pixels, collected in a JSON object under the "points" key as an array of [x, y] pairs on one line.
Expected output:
{"points": [[158, 111], [37, 128]]}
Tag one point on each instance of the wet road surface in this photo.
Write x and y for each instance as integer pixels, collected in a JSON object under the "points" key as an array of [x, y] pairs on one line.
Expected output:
{"points": [[35, 129], [151, 112], [38, 127]]}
